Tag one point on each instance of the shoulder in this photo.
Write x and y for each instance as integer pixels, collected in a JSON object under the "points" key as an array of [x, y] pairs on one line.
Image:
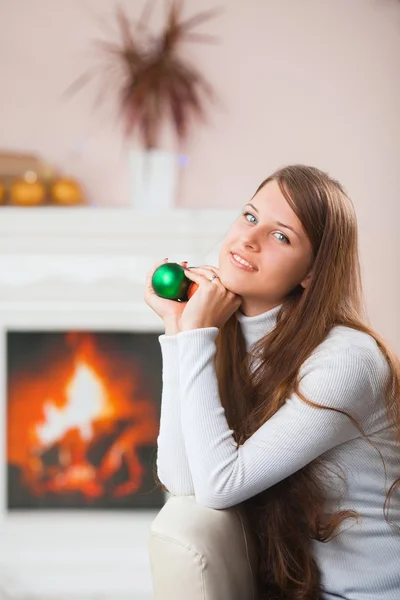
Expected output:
{"points": [[350, 358], [342, 336], [349, 345]]}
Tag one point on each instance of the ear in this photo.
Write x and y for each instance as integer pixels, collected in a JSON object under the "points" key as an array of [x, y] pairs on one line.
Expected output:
{"points": [[306, 280]]}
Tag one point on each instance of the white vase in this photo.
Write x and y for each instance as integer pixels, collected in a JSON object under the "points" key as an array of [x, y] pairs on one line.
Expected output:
{"points": [[153, 179]]}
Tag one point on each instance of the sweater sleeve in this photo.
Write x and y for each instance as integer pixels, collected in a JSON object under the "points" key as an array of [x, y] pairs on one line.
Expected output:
{"points": [[225, 474], [172, 465]]}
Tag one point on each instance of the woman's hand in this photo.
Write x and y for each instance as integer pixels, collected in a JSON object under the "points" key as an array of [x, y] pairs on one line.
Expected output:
{"points": [[212, 304], [170, 311]]}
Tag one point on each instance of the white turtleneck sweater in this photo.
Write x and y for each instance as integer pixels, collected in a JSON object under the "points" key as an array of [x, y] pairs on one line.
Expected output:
{"points": [[197, 453]]}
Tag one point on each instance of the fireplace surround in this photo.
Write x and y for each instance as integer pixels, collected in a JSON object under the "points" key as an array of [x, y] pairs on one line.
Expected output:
{"points": [[84, 269]]}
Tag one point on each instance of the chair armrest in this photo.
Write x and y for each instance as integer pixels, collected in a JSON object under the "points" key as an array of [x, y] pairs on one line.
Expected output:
{"points": [[201, 553]]}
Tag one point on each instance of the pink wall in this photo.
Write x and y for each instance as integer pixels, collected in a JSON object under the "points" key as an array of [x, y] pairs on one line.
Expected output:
{"points": [[315, 81]]}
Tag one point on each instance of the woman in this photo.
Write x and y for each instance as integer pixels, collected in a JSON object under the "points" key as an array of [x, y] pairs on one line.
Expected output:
{"points": [[289, 402]]}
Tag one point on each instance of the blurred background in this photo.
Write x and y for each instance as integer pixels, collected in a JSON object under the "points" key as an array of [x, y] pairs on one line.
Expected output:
{"points": [[101, 175]]}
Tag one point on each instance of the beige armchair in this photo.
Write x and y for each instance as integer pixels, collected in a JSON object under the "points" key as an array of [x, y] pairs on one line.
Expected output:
{"points": [[198, 553]]}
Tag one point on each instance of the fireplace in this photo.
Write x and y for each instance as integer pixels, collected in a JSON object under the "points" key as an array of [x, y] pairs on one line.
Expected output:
{"points": [[82, 420], [77, 490]]}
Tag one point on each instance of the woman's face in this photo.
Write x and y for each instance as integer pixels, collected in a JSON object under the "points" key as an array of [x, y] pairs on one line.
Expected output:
{"points": [[281, 257]]}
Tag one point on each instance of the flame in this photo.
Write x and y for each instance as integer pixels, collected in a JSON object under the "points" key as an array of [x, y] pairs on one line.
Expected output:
{"points": [[87, 400], [65, 406]]}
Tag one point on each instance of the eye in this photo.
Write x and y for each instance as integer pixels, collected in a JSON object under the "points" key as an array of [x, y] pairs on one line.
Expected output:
{"points": [[248, 213], [285, 239]]}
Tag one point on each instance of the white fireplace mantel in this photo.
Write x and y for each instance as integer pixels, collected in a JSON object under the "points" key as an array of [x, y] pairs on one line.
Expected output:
{"points": [[72, 259], [116, 230], [85, 268]]}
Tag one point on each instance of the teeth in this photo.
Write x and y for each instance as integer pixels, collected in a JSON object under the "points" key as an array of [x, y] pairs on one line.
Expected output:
{"points": [[241, 260]]}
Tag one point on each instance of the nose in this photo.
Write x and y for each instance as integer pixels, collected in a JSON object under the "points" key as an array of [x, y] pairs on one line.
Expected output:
{"points": [[250, 241]]}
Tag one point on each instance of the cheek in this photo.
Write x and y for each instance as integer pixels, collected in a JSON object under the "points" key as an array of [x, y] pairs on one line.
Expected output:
{"points": [[295, 271], [227, 243], [231, 235], [281, 265]]}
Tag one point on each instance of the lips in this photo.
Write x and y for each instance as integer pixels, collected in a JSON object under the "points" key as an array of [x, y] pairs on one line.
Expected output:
{"points": [[244, 258]]}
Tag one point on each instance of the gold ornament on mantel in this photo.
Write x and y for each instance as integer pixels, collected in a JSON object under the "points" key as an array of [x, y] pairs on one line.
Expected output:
{"points": [[28, 191], [66, 192], [26, 180]]}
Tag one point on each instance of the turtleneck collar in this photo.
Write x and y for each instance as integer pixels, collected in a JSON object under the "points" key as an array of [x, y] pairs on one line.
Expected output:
{"points": [[256, 327]]}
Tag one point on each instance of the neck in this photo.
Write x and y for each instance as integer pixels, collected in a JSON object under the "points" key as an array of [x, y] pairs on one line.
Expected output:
{"points": [[252, 308], [256, 326]]}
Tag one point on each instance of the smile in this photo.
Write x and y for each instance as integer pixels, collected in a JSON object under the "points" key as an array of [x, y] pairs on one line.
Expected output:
{"points": [[241, 263]]}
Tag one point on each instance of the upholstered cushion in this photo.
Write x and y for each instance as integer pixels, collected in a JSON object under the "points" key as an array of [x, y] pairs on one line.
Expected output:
{"points": [[198, 553]]}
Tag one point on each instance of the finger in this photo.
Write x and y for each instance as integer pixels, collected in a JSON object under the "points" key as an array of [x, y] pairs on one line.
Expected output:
{"points": [[207, 271], [149, 286], [200, 275], [211, 267], [196, 277], [150, 273], [159, 263], [156, 265]]}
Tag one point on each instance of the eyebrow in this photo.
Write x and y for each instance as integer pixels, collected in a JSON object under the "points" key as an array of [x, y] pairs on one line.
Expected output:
{"points": [[276, 222]]}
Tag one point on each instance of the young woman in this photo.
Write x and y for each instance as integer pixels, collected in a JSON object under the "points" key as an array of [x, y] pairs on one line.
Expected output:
{"points": [[288, 401]]}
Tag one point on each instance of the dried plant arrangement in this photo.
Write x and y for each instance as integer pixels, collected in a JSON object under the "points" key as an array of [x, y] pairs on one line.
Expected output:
{"points": [[155, 83]]}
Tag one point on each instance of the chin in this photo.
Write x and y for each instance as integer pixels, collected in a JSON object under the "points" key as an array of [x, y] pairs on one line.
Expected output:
{"points": [[231, 282]]}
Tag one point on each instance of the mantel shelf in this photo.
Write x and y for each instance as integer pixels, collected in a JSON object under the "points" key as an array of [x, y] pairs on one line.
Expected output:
{"points": [[114, 230]]}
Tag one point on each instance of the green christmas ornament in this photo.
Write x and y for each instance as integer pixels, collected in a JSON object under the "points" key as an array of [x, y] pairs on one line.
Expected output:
{"points": [[169, 281]]}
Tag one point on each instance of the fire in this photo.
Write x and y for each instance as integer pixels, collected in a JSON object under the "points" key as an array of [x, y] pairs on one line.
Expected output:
{"points": [[78, 420], [87, 401]]}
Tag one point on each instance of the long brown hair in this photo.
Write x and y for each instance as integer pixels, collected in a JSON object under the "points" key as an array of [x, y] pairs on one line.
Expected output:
{"points": [[286, 517]]}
